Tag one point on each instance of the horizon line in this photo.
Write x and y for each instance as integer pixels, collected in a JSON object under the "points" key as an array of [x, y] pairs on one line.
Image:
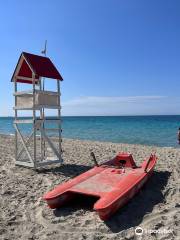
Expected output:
{"points": [[138, 115]]}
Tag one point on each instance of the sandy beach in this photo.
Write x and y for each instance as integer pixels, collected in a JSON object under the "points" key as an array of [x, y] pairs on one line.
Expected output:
{"points": [[23, 214]]}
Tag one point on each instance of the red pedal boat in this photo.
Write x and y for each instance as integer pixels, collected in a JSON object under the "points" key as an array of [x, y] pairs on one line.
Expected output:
{"points": [[114, 183]]}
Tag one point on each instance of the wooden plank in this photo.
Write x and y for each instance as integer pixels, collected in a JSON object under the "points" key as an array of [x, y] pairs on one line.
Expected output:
{"points": [[36, 91], [34, 118], [27, 142], [25, 78], [39, 107], [25, 164], [47, 106], [51, 145], [23, 93], [21, 121], [17, 68], [40, 164], [59, 116], [23, 142]]}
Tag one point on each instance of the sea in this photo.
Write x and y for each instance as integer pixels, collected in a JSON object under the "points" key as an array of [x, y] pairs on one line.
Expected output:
{"points": [[146, 130]]}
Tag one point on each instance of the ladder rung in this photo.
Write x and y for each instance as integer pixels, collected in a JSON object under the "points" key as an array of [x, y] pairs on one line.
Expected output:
{"points": [[52, 129], [23, 121]]}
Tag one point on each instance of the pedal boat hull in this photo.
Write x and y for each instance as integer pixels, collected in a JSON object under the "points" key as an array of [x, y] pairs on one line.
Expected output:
{"points": [[112, 184]]}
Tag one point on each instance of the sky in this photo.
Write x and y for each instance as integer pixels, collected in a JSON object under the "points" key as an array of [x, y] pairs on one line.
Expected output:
{"points": [[117, 57]]}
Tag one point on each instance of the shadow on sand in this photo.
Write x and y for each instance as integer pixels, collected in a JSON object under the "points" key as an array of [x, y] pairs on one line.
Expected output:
{"points": [[80, 202], [132, 213], [70, 170]]}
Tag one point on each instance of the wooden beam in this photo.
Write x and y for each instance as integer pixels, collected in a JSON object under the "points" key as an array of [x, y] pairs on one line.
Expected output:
{"points": [[41, 164], [23, 142], [25, 78], [25, 164]]}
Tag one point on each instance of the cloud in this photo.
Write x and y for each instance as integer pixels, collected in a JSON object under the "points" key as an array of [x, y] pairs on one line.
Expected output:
{"points": [[93, 105], [108, 106]]}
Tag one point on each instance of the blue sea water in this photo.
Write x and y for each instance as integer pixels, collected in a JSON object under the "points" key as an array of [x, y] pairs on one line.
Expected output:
{"points": [[146, 130]]}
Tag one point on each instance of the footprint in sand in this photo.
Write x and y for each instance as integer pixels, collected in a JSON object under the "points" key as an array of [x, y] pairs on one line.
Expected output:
{"points": [[154, 219], [77, 221]]}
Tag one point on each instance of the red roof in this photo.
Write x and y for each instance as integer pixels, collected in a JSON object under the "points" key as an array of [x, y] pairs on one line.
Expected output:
{"points": [[39, 65]]}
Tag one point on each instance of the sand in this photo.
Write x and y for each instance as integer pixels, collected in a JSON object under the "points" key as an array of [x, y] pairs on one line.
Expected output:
{"points": [[24, 215]]}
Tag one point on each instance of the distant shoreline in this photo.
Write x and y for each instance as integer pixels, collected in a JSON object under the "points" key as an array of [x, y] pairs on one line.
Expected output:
{"points": [[150, 115], [100, 142]]}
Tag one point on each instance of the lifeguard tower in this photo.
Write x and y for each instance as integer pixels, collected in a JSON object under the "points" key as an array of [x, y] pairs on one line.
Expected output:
{"points": [[37, 137]]}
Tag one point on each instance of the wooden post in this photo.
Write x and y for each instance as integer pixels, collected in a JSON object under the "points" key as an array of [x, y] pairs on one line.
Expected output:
{"points": [[59, 118], [43, 117], [16, 137], [42, 122], [34, 120]]}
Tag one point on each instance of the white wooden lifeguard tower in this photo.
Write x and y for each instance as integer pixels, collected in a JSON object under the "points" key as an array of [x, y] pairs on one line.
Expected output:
{"points": [[43, 144]]}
